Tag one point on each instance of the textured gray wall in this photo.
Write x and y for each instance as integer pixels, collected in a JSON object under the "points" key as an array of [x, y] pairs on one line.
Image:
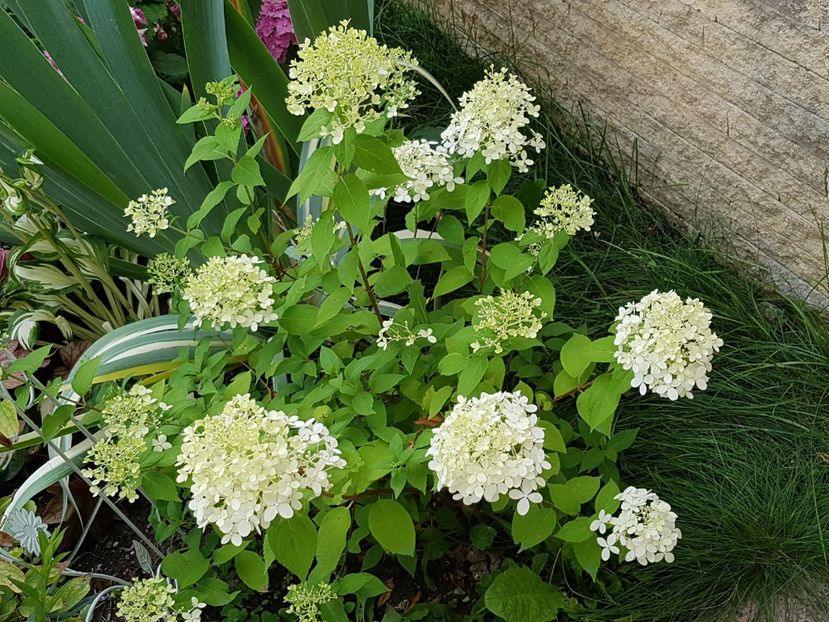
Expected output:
{"points": [[727, 99]]}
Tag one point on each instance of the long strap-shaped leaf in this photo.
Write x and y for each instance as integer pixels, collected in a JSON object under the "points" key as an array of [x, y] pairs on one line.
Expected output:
{"points": [[148, 341]]}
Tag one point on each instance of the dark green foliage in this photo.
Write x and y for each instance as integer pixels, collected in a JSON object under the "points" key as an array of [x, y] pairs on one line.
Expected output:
{"points": [[742, 463]]}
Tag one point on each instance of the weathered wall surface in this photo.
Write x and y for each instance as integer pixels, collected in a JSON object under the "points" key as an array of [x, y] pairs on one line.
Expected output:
{"points": [[727, 99]]}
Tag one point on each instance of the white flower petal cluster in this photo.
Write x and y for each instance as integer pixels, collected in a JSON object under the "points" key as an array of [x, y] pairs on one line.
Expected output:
{"points": [[508, 315], [231, 290], [563, 209], [352, 76], [393, 331], [149, 212], [667, 343], [490, 446], [645, 526], [248, 465], [427, 165], [492, 120]]}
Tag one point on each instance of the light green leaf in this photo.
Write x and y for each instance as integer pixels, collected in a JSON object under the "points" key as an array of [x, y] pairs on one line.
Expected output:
{"points": [[352, 201], [392, 527], [606, 499], [331, 542], [294, 543], [577, 530], [477, 196], [534, 527], [453, 279], [519, 595], [372, 154], [85, 375], [252, 570], [186, 568], [509, 211], [575, 355]]}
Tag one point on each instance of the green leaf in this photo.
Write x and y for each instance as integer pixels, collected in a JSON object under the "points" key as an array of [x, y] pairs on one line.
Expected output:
{"points": [[598, 402], [294, 543], [311, 128], [362, 584], [577, 530], [570, 496], [453, 279], [482, 536], [186, 568], [331, 542], [308, 17], [85, 375], [391, 281], [203, 32], [606, 499], [472, 374], [317, 176], [9, 424], [31, 362], [246, 172], [534, 527], [352, 201], [53, 423], [509, 258], [589, 555], [509, 211], [476, 198], [332, 305], [159, 486], [372, 154], [392, 527], [71, 593], [519, 595], [542, 287], [498, 174], [453, 363], [575, 355], [252, 570], [552, 437]]}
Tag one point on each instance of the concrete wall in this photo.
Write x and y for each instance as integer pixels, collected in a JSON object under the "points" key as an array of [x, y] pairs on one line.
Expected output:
{"points": [[727, 99]]}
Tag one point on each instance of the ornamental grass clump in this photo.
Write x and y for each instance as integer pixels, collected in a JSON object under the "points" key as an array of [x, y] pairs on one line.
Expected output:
{"points": [[247, 466]]}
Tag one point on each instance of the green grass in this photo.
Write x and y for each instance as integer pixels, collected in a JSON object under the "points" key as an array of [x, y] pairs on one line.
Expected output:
{"points": [[742, 462]]}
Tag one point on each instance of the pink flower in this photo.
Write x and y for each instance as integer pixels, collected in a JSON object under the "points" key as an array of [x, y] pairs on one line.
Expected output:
{"points": [[140, 23], [275, 28], [175, 9]]}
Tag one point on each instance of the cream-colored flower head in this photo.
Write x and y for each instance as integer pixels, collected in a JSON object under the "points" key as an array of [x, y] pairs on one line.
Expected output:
{"points": [[490, 446], [167, 272], [427, 165], [307, 598], [352, 76], [149, 213], [505, 316], [563, 209], [129, 418], [248, 466], [667, 343], [645, 527], [232, 291], [494, 119], [147, 600]]}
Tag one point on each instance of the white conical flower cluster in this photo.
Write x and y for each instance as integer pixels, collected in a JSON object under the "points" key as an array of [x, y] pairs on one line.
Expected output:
{"points": [[352, 76], [667, 343], [427, 165], [645, 526], [506, 316], [231, 290], [248, 465], [492, 119], [490, 446]]}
